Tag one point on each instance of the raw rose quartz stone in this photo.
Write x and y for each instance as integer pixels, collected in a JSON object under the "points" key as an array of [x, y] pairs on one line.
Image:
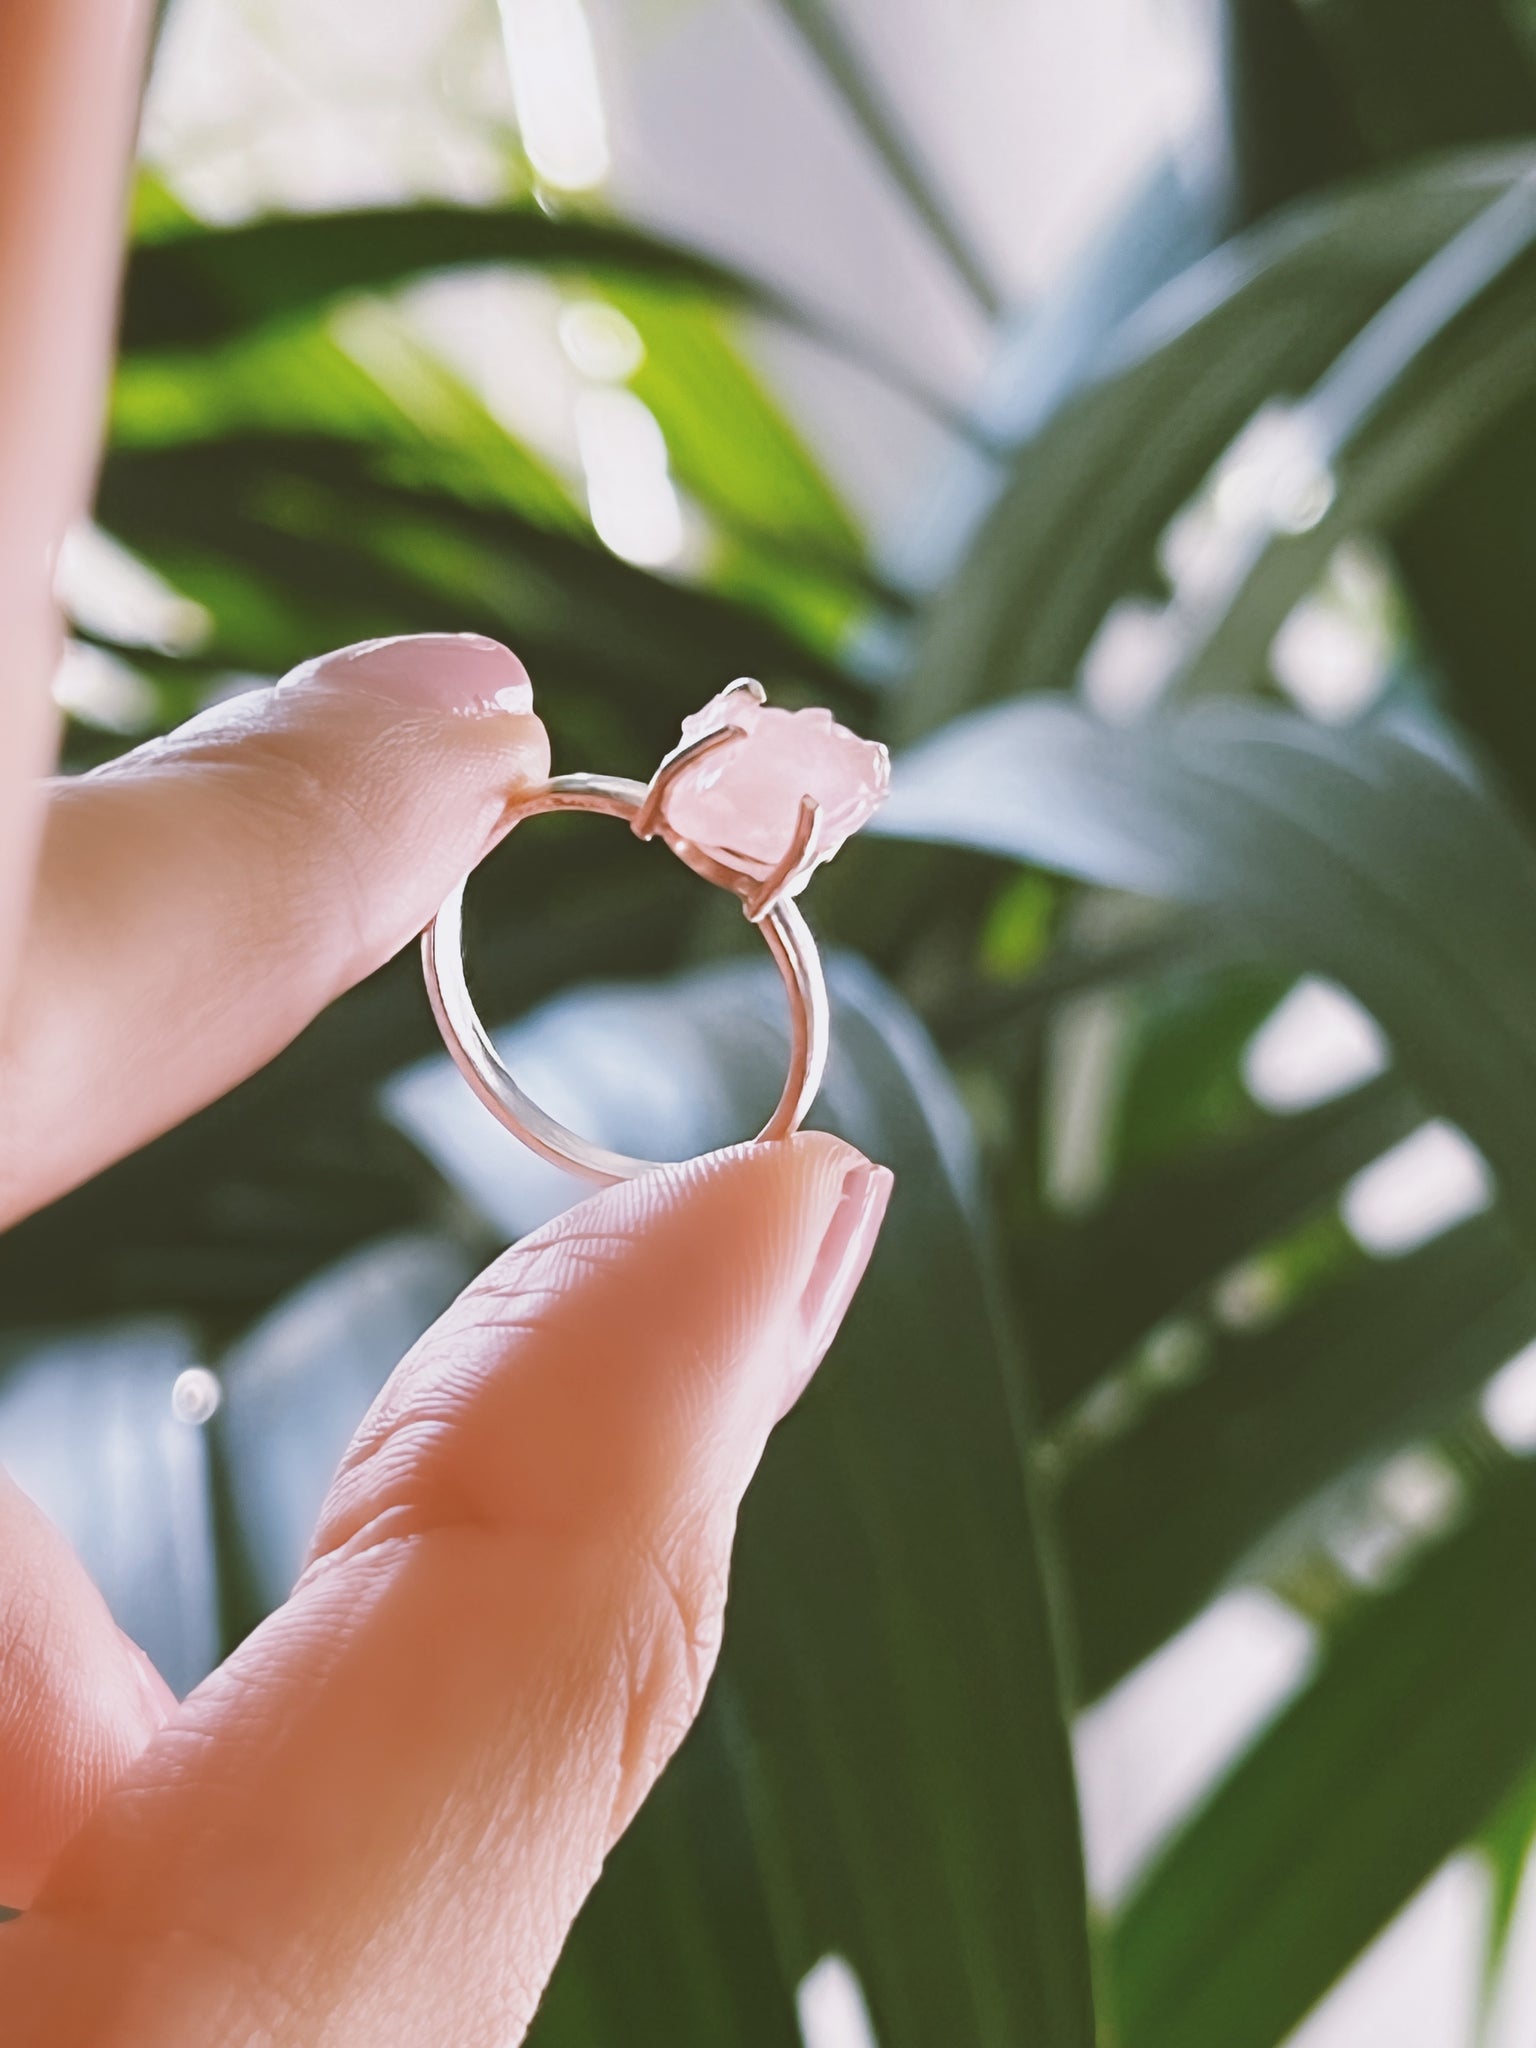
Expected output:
{"points": [[741, 803]]}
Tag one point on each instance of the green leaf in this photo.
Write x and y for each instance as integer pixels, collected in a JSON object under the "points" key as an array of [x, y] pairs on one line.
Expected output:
{"points": [[1464, 555], [359, 373], [903, 1813], [677, 1946], [1419, 1725], [1289, 129], [1092, 1287], [1505, 1846], [1077, 525], [191, 285], [1362, 855], [702, 390], [1357, 853], [1155, 1522], [208, 284], [1413, 88], [1427, 379], [294, 544], [1071, 337], [1183, 1089], [786, 541], [360, 377], [1464, 551], [883, 129]]}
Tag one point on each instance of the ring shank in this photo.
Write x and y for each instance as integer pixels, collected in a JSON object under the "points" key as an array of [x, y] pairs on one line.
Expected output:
{"points": [[442, 947]]}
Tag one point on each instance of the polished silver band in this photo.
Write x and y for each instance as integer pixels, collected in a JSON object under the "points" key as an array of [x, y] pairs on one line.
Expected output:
{"points": [[784, 929]]}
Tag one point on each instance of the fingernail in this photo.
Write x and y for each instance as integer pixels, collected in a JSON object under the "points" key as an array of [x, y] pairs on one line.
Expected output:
{"points": [[462, 673], [845, 1252]]}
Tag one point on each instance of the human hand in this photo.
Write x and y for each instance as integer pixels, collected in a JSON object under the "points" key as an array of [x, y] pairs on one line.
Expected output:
{"points": [[377, 1820], [375, 1823]]}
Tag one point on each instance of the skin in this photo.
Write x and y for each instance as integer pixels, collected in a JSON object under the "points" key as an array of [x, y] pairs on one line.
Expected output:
{"points": [[376, 1822]]}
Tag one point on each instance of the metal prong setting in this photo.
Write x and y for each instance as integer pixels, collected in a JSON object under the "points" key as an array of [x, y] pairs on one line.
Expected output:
{"points": [[648, 817], [770, 892], [760, 901]]}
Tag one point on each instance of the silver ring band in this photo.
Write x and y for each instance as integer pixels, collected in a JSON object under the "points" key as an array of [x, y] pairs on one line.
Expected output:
{"points": [[784, 929]]}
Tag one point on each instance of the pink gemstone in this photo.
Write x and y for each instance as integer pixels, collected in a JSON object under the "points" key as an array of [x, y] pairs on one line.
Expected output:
{"points": [[740, 803]]}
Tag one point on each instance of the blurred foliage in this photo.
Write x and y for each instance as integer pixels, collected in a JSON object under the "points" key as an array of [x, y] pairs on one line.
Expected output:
{"points": [[1088, 894]]}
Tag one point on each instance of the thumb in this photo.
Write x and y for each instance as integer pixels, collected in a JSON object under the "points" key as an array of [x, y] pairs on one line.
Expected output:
{"points": [[376, 1823], [201, 899]]}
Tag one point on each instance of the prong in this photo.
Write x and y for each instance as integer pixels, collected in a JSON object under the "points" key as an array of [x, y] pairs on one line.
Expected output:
{"points": [[645, 820], [766, 896]]}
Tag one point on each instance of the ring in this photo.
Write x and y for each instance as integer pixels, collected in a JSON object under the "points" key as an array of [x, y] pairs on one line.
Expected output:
{"points": [[754, 799]]}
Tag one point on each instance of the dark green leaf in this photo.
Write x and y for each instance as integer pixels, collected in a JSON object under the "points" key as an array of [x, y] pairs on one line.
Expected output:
{"points": [[677, 1947], [189, 284], [1290, 131], [208, 284], [909, 1813], [702, 390], [295, 378], [1156, 1522], [1429, 378], [1505, 1845], [1421, 1722], [1357, 853], [295, 544], [1077, 525], [1416, 82], [1094, 1286]]}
